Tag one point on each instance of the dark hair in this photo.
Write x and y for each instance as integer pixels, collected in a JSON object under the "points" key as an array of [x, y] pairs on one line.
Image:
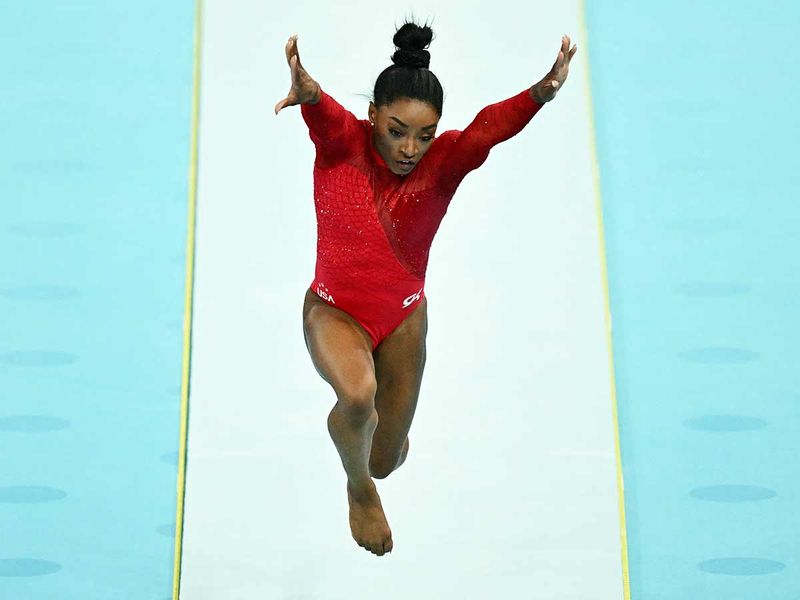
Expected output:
{"points": [[409, 76]]}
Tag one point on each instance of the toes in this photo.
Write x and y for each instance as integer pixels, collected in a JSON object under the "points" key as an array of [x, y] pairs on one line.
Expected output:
{"points": [[385, 547], [380, 549]]}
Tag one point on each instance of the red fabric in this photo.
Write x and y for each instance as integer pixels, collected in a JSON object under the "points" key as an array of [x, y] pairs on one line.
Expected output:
{"points": [[375, 228]]}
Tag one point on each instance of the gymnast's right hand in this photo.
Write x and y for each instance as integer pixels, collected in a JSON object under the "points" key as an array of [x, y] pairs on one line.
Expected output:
{"points": [[304, 89]]}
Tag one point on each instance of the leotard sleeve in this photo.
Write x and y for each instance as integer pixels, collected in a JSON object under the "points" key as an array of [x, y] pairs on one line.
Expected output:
{"points": [[468, 149], [335, 131]]}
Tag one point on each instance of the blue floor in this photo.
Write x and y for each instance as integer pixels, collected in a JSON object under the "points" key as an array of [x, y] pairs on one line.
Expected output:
{"points": [[94, 159], [696, 122]]}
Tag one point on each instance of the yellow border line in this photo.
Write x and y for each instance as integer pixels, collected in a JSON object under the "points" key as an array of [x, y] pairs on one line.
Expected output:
{"points": [[599, 207], [187, 313]]}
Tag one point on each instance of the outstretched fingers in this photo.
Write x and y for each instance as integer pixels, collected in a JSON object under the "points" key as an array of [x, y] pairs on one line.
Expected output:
{"points": [[293, 58], [566, 52], [294, 52], [291, 48]]}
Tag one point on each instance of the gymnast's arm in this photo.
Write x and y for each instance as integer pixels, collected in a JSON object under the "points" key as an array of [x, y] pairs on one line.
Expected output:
{"points": [[332, 128], [500, 121], [493, 124]]}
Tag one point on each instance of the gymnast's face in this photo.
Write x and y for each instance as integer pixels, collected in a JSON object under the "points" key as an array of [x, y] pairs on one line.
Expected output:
{"points": [[403, 131]]}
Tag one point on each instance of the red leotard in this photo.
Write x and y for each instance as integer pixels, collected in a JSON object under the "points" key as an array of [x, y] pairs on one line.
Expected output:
{"points": [[375, 228]]}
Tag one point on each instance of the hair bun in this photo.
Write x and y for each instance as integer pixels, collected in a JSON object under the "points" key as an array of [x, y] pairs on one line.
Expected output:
{"points": [[411, 41]]}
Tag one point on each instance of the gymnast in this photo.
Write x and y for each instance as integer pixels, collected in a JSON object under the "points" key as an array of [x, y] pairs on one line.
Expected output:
{"points": [[381, 188]]}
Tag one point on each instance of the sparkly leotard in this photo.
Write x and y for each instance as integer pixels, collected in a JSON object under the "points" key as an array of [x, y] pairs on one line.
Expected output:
{"points": [[375, 228]]}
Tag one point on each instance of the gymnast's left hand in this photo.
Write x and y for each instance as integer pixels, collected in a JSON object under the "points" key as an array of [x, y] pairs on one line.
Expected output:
{"points": [[546, 89]]}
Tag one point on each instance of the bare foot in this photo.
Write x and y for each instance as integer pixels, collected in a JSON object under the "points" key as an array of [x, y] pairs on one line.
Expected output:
{"points": [[367, 520]]}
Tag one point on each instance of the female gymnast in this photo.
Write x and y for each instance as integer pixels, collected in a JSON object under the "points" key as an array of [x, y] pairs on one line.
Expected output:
{"points": [[378, 206]]}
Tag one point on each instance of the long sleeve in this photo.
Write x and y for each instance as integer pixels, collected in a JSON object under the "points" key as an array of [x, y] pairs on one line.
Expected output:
{"points": [[335, 131], [494, 124]]}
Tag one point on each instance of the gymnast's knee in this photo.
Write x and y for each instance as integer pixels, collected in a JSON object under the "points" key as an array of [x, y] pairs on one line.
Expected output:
{"points": [[380, 472], [356, 398]]}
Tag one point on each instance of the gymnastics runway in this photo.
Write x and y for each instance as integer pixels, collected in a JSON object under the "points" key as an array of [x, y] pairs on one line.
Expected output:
{"points": [[162, 428], [510, 483]]}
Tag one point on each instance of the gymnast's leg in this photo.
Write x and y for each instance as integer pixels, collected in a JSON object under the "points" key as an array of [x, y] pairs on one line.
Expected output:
{"points": [[399, 363], [342, 354]]}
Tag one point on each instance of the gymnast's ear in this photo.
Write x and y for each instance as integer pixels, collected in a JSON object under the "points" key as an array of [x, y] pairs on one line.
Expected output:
{"points": [[372, 113]]}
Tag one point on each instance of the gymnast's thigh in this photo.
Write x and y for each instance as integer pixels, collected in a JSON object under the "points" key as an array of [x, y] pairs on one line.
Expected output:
{"points": [[400, 357], [340, 349]]}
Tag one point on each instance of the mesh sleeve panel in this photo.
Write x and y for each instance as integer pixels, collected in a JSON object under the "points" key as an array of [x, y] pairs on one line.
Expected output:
{"points": [[493, 124]]}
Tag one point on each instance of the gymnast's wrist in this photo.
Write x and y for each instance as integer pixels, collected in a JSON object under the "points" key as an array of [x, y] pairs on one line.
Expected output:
{"points": [[535, 95], [316, 96]]}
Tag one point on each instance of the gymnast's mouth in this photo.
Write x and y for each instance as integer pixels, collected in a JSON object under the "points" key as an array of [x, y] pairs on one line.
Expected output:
{"points": [[405, 164]]}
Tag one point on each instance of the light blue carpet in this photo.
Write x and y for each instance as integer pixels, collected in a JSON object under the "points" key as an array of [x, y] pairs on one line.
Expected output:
{"points": [[95, 122], [696, 115]]}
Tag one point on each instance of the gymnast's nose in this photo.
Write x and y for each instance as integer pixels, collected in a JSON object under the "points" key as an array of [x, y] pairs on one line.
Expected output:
{"points": [[409, 150]]}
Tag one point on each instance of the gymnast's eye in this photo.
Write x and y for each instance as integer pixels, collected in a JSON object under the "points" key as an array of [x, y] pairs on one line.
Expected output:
{"points": [[427, 138], [395, 133]]}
